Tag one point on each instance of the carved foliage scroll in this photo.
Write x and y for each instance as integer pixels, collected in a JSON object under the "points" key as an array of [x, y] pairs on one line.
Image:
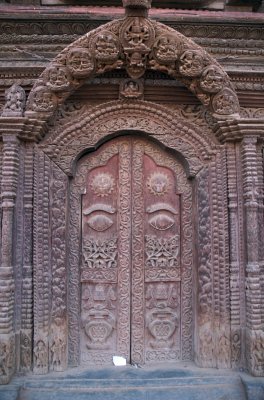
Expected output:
{"points": [[206, 355], [58, 329]]}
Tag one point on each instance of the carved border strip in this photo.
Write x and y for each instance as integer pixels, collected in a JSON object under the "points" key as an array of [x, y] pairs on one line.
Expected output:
{"points": [[235, 274], [41, 262], [220, 260], [205, 306], [123, 338], [138, 292]]}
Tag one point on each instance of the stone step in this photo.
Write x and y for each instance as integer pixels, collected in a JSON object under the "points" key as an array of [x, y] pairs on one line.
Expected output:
{"points": [[129, 383]]}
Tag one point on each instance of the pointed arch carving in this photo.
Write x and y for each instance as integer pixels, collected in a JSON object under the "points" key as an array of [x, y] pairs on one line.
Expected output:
{"points": [[136, 44], [86, 130]]}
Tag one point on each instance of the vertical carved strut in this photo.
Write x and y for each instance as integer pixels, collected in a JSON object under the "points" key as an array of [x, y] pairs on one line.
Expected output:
{"points": [[234, 257], [254, 333], [8, 193], [27, 270]]}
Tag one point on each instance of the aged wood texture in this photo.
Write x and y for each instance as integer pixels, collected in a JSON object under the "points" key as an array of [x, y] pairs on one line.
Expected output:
{"points": [[27, 271], [58, 334], [41, 262], [105, 293], [254, 332], [10, 168], [235, 265]]}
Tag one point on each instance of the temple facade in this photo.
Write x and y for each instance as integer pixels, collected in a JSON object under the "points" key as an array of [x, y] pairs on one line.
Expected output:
{"points": [[131, 170]]}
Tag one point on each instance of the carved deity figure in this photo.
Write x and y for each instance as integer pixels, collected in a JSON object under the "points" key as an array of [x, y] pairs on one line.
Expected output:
{"points": [[165, 49], [43, 100], [131, 89], [40, 355], [57, 352], [80, 62], [225, 102], [258, 352], [3, 359], [212, 80], [106, 48], [57, 78], [191, 63], [15, 101]]}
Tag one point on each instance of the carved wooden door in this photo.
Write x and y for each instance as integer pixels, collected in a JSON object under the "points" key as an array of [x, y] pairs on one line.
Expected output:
{"points": [[130, 255]]}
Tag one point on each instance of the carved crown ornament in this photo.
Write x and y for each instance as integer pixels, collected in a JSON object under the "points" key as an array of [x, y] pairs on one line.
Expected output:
{"points": [[135, 44]]}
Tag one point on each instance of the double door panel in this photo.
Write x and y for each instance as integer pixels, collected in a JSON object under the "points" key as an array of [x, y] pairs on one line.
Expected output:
{"points": [[130, 255]]}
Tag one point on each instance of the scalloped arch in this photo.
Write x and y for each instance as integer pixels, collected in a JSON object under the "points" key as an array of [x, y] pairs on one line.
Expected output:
{"points": [[136, 44], [84, 131]]}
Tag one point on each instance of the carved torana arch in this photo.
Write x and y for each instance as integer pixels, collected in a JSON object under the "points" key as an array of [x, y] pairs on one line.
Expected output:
{"points": [[136, 44], [85, 130]]}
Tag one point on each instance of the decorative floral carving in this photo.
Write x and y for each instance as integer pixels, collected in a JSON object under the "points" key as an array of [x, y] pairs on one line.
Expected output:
{"points": [[102, 184], [162, 252], [191, 63], [163, 355], [15, 101], [100, 254], [80, 62], [158, 183]]}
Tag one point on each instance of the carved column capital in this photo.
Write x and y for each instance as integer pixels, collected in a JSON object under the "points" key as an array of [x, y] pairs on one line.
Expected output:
{"points": [[26, 129], [230, 130]]}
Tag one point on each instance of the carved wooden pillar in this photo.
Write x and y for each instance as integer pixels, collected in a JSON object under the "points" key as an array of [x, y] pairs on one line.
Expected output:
{"points": [[10, 165], [235, 267], [254, 331]]}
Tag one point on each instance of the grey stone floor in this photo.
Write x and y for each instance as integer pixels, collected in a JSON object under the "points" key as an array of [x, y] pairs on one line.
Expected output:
{"points": [[162, 382]]}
